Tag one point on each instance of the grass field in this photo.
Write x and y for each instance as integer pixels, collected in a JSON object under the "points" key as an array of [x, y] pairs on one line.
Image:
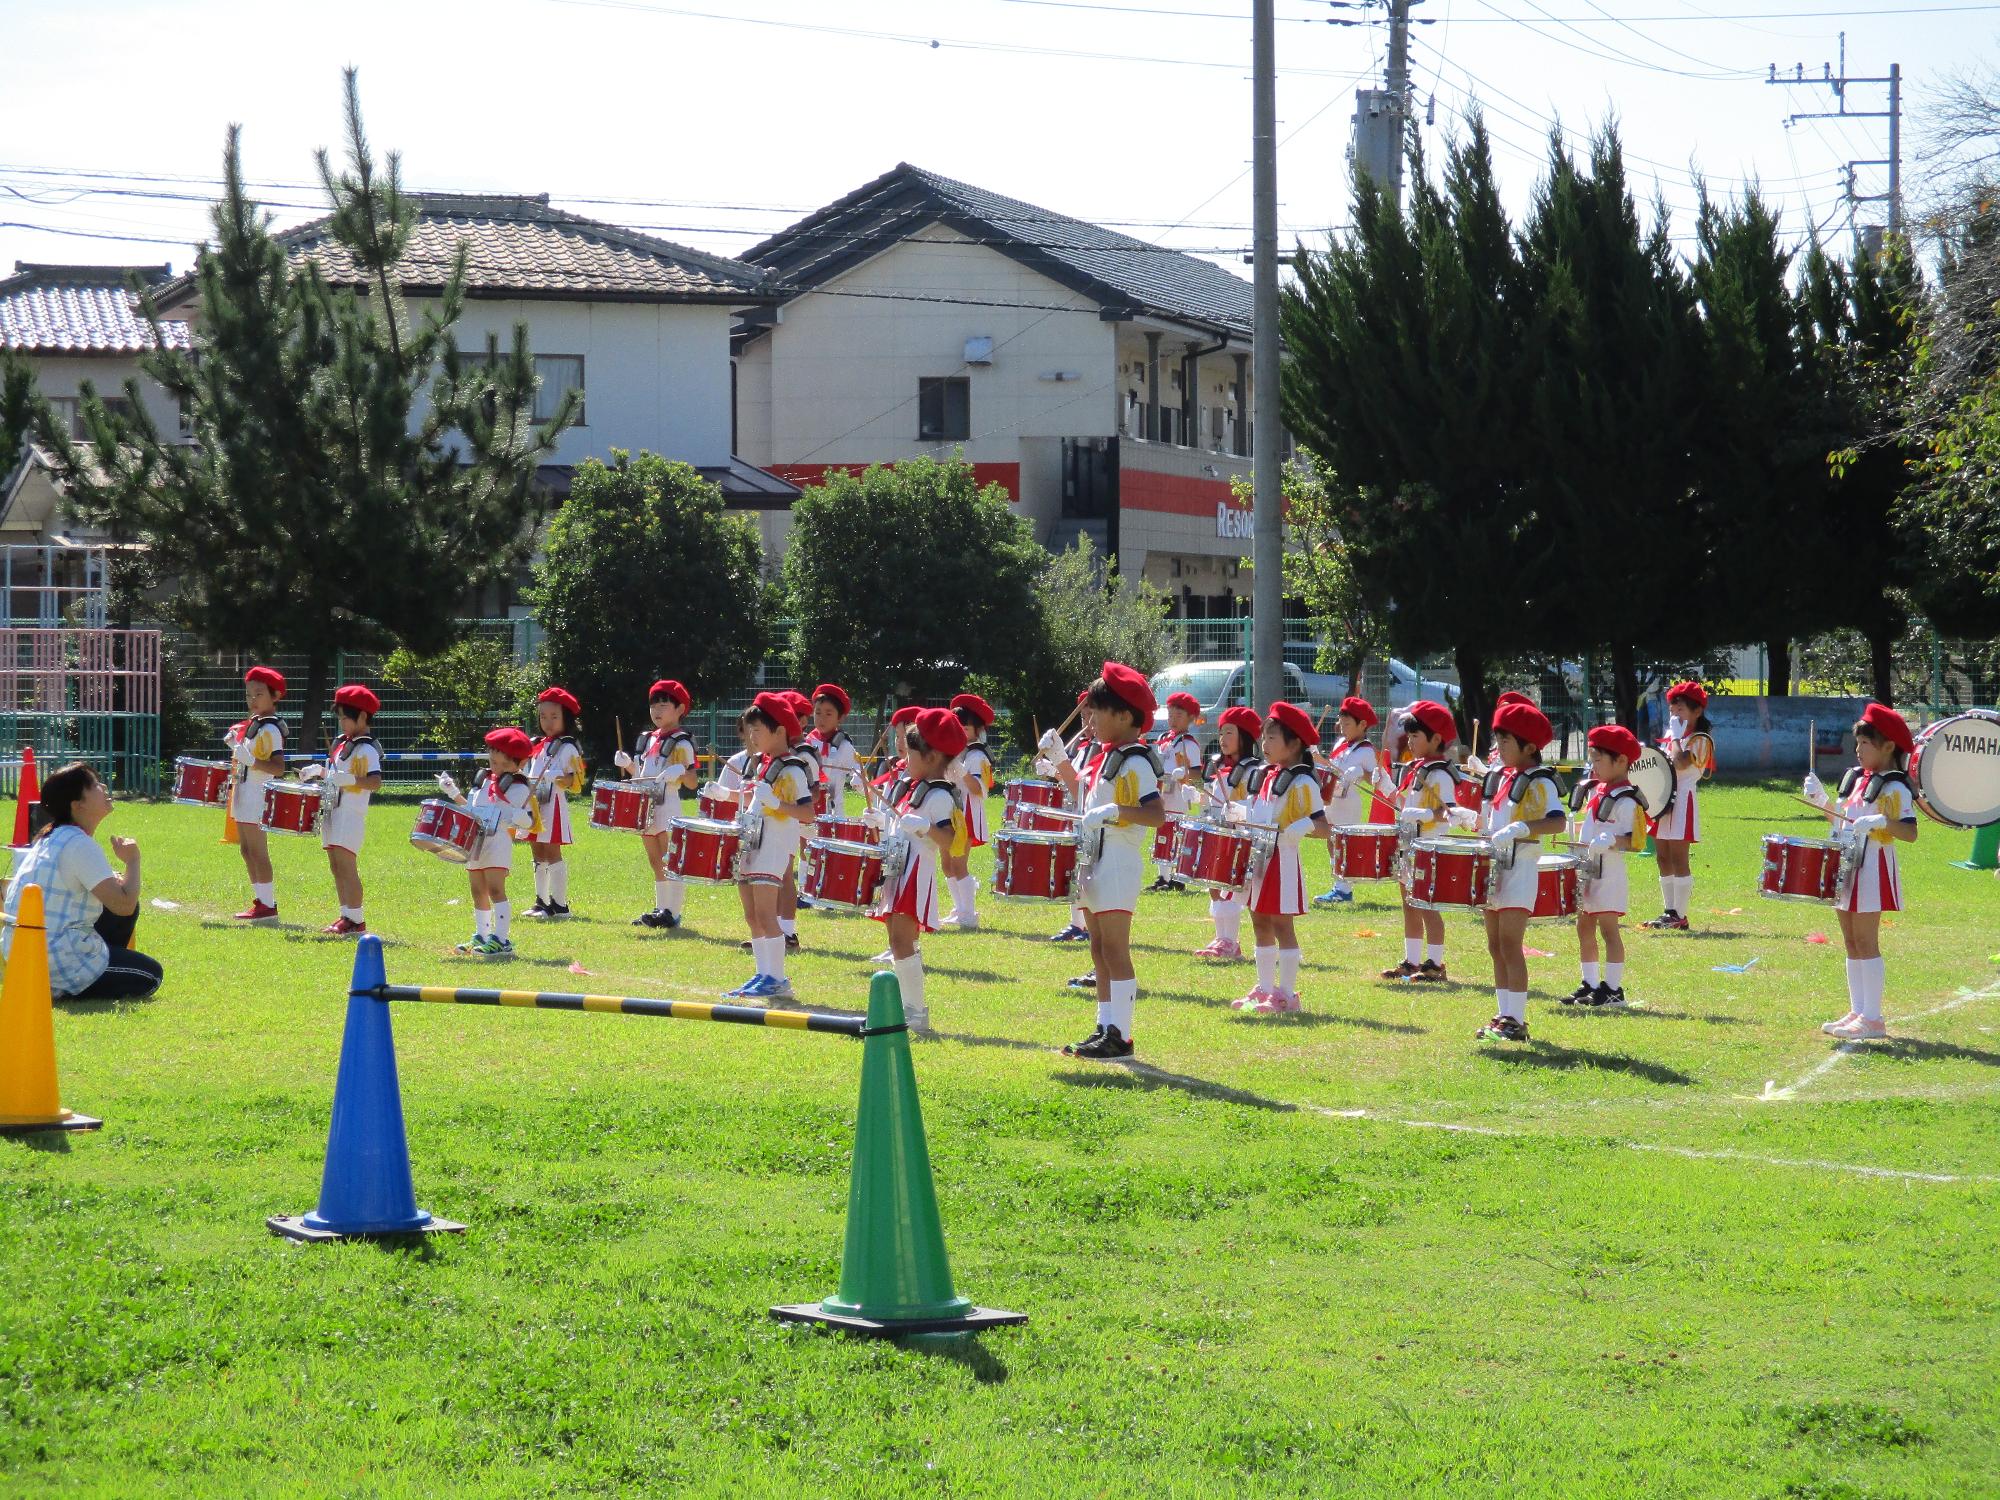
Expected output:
{"points": [[1692, 1249]]}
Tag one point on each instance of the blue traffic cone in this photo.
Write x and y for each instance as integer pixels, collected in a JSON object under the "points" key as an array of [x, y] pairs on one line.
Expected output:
{"points": [[366, 1189]]}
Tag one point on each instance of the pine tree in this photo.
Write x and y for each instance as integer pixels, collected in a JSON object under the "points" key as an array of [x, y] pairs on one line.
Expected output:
{"points": [[351, 478], [17, 410]]}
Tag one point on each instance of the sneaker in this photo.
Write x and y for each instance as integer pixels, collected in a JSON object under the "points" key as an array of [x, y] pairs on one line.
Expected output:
{"points": [[1832, 1028], [1255, 998], [760, 987], [498, 947], [1341, 895], [1606, 995], [1584, 994], [1071, 934], [1861, 1029], [960, 924], [1330, 898], [539, 909], [1084, 982], [257, 911], [1430, 971], [1405, 970], [805, 902], [1178, 887], [1105, 1042], [471, 944], [1160, 883], [1675, 922], [886, 956], [742, 990], [554, 909], [1664, 919], [1220, 948], [791, 942], [918, 1019], [1278, 1003], [776, 988], [668, 920], [344, 928], [1503, 1029]]}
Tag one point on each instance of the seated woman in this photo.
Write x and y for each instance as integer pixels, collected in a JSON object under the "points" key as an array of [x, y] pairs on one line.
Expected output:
{"points": [[88, 911]]}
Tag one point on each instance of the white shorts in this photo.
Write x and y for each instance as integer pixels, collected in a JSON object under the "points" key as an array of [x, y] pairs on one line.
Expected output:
{"points": [[494, 852], [1609, 894], [347, 824], [1516, 889], [247, 801], [767, 863], [1115, 879]]}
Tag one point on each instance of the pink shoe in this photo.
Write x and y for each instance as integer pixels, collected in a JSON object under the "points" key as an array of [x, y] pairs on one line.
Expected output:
{"points": [[1861, 1029], [1278, 1003], [1255, 999], [1832, 1028], [1211, 949]]}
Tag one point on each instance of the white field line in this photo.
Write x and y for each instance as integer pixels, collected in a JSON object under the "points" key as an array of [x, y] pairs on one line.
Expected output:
{"points": [[1826, 1064]]}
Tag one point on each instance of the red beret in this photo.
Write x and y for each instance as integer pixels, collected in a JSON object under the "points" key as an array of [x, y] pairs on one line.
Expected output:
{"points": [[1512, 697], [1525, 722], [1435, 718], [1245, 719], [1693, 692], [561, 697], [975, 705], [779, 707], [1359, 709], [1295, 719], [510, 742], [835, 694], [941, 731], [1131, 689], [666, 687], [358, 699], [907, 714], [1614, 739], [271, 677], [1185, 700], [1891, 725]]}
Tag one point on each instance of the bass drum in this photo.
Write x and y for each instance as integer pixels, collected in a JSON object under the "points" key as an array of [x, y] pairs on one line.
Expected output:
{"points": [[1652, 776], [1956, 770]]}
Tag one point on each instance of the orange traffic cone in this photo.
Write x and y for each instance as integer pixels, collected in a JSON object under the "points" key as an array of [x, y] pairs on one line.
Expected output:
{"points": [[30, 793], [28, 1099]]}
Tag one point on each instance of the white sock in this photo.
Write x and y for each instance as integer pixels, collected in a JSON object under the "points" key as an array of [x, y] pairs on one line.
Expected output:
{"points": [[676, 895], [1589, 967], [1228, 920], [482, 921], [965, 897], [760, 952], [1667, 885], [1500, 998], [1434, 952], [662, 894], [910, 979], [265, 892], [1288, 970], [503, 920], [352, 913], [1515, 1004], [1267, 967], [1854, 986], [788, 926], [1686, 884], [776, 947], [1614, 975], [1124, 994], [1413, 951], [1873, 981], [541, 881], [1076, 919], [559, 882]]}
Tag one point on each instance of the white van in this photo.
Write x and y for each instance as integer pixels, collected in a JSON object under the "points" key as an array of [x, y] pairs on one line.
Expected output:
{"points": [[1216, 685]]}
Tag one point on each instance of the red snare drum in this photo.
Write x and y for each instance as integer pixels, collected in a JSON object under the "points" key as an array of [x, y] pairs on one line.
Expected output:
{"points": [[849, 831], [823, 799], [1022, 795], [1556, 880], [1166, 839], [201, 782], [1329, 783], [1365, 851], [1798, 869], [1031, 818], [626, 806], [716, 809], [447, 830], [842, 874], [1214, 856], [1449, 872], [291, 807], [703, 850], [1471, 792], [1032, 866]]}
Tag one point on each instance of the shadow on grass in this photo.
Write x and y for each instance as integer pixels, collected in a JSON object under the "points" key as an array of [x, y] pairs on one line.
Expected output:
{"points": [[1695, 934], [1909, 1049], [1645, 1011], [986, 976], [968, 1039], [53, 1142], [1145, 1078], [1541, 1054], [69, 1005]]}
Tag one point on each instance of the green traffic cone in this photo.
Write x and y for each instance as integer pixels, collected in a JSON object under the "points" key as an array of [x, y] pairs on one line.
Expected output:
{"points": [[894, 1277], [1985, 849]]}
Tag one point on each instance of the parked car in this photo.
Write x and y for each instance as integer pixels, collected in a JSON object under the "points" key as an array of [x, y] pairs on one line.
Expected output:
{"points": [[1405, 687], [1216, 685]]}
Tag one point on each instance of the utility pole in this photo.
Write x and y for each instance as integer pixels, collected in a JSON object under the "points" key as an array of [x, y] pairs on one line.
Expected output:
{"points": [[1838, 83], [1382, 115], [1398, 83], [1267, 595]]}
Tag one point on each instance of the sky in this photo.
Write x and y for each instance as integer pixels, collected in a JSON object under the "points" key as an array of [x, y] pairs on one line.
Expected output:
{"points": [[715, 122]]}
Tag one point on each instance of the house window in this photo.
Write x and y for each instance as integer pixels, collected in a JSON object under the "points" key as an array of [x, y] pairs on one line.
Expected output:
{"points": [[556, 374], [944, 409], [70, 410]]}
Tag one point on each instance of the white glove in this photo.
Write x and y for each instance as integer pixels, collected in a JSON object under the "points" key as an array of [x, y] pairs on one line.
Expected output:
{"points": [[1503, 838], [1866, 824], [336, 777], [715, 791], [1044, 770], [1414, 816], [767, 799], [1101, 816], [875, 818], [622, 761], [447, 785], [913, 825], [1382, 781], [243, 754], [1051, 744], [1816, 791], [1462, 817], [1294, 833], [1475, 765], [313, 772], [1344, 784], [1604, 841]]}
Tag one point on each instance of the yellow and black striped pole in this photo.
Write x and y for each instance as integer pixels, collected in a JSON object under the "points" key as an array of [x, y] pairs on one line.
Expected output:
{"points": [[627, 1005]]}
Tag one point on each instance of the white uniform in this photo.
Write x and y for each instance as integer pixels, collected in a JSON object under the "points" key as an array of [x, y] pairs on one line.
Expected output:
{"points": [[736, 773], [1614, 808], [665, 755], [1433, 786], [1682, 822], [1284, 796], [557, 769], [916, 894], [346, 817], [1126, 776], [791, 776], [840, 763], [1877, 886], [1522, 796], [266, 737], [979, 778], [1351, 760], [1178, 752], [509, 794]]}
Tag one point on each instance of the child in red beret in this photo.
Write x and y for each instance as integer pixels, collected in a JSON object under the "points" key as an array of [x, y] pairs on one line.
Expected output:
{"points": [[503, 802], [1878, 810], [1426, 805], [1287, 798], [1614, 822], [1233, 772], [974, 784], [1071, 764], [927, 812], [556, 769], [257, 745], [353, 772], [840, 762], [779, 806], [1527, 804], [666, 757], [1351, 759], [1691, 747], [1180, 757]]}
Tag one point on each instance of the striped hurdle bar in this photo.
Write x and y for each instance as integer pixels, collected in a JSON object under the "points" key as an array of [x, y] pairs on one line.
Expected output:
{"points": [[894, 1276]]}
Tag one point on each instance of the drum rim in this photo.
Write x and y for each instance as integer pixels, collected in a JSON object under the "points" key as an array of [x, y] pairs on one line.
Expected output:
{"points": [[1673, 781], [1951, 817], [1037, 836]]}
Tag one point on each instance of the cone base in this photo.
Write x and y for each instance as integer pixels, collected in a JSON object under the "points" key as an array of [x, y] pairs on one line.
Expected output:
{"points": [[69, 1119], [295, 1227], [1972, 864], [971, 1321]]}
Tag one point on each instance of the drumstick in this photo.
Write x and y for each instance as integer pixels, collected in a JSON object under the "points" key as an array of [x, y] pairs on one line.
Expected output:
{"points": [[1831, 812], [1067, 722], [1812, 747], [1475, 736], [618, 729]]}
